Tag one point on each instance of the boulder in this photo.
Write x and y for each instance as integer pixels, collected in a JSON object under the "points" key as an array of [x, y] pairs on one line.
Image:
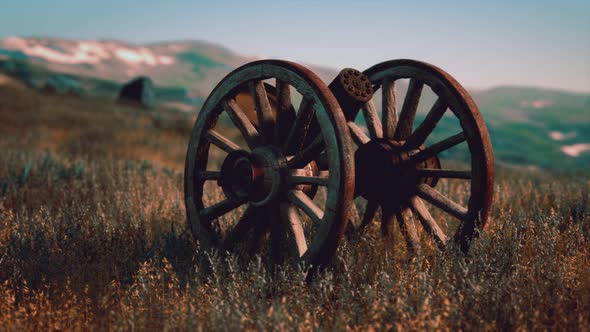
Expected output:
{"points": [[139, 91]]}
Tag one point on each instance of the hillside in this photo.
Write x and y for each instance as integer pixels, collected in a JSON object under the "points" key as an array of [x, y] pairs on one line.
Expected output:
{"points": [[529, 127], [546, 128], [197, 66]]}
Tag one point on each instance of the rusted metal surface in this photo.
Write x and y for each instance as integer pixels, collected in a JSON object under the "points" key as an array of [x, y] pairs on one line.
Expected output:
{"points": [[396, 171], [352, 89], [276, 173]]}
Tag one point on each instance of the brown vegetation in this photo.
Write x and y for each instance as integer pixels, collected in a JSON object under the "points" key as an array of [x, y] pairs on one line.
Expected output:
{"points": [[93, 235]]}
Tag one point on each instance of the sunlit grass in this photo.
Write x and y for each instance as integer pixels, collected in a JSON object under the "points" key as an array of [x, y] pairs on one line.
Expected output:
{"points": [[93, 236]]}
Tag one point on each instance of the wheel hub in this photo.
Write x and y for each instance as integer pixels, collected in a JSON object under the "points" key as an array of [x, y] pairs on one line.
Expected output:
{"points": [[356, 84], [385, 171], [254, 176]]}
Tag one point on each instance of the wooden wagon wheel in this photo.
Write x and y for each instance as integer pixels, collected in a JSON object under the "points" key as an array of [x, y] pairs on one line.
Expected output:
{"points": [[266, 182], [398, 171]]}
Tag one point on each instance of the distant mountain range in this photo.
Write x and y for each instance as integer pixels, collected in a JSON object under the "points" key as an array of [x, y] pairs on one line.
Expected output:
{"points": [[529, 127]]}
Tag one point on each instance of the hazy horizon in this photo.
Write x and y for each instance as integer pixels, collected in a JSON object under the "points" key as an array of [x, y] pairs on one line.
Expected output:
{"points": [[527, 44]]}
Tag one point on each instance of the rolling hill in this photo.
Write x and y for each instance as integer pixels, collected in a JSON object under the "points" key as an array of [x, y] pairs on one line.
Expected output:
{"points": [[530, 127]]}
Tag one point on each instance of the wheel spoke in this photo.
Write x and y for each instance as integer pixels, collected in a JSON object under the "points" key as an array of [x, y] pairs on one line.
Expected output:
{"points": [[221, 141], [295, 234], [305, 156], [369, 215], [278, 236], [259, 235], [428, 222], [408, 228], [322, 160], [358, 134], [437, 148], [241, 121], [263, 109], [408, 113], [418, 137], [299, 130], [372, 120], [295, 179], [354, 216], [386, 219], [302, 201], [219, 209], [443, 173], [209, 175], [285, 112], [442, 202], [238, 233], [389, 109]]}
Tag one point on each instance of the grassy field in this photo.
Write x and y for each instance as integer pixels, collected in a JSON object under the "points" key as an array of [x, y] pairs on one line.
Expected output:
{"points": [[93, 236]]}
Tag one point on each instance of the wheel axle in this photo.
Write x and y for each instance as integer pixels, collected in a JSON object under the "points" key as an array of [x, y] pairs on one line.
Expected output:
{"points": [[255, 176]]}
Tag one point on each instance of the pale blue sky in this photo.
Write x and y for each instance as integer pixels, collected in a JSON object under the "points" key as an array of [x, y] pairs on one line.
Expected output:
{"points": [[536, 43]]}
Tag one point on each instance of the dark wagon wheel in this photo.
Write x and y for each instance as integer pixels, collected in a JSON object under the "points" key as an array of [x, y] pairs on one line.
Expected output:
{"points": [[266, 185], [397, 170]]}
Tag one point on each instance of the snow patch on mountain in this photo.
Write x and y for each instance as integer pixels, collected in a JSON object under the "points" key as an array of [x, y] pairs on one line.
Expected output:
{"points": [[559, 136], [87, 52], [575, 150], [536, 104]]}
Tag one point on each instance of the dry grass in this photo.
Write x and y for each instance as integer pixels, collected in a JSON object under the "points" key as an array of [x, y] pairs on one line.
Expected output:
{"points": [[93, 235]]}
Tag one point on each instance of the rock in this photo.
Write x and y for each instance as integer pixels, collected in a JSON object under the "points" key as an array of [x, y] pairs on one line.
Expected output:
{"points": [[139, 91]]}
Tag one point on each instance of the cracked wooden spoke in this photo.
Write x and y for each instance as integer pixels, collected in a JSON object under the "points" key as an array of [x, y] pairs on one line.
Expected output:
{"points": [[209, 175], [439, 147], [388, 216], [278, 236], [441, 201], [296, 179], [219, 209], [358, 134], [369, 214], [443, 173], [354, 216], [241, 121], [408, 113], [428, 222], [372, 120], [299, 130], [322, 160], [418, 137], [302, 201], [408, 228], [305, 156], [294, 229], [221, 141], [285, 112], [263, 109], [238, 233], [389, 109], [260, 233]]}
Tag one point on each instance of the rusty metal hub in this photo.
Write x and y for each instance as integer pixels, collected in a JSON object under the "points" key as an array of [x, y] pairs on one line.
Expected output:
{"points": [[254, 176], [356, 84], [385, 171]]}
